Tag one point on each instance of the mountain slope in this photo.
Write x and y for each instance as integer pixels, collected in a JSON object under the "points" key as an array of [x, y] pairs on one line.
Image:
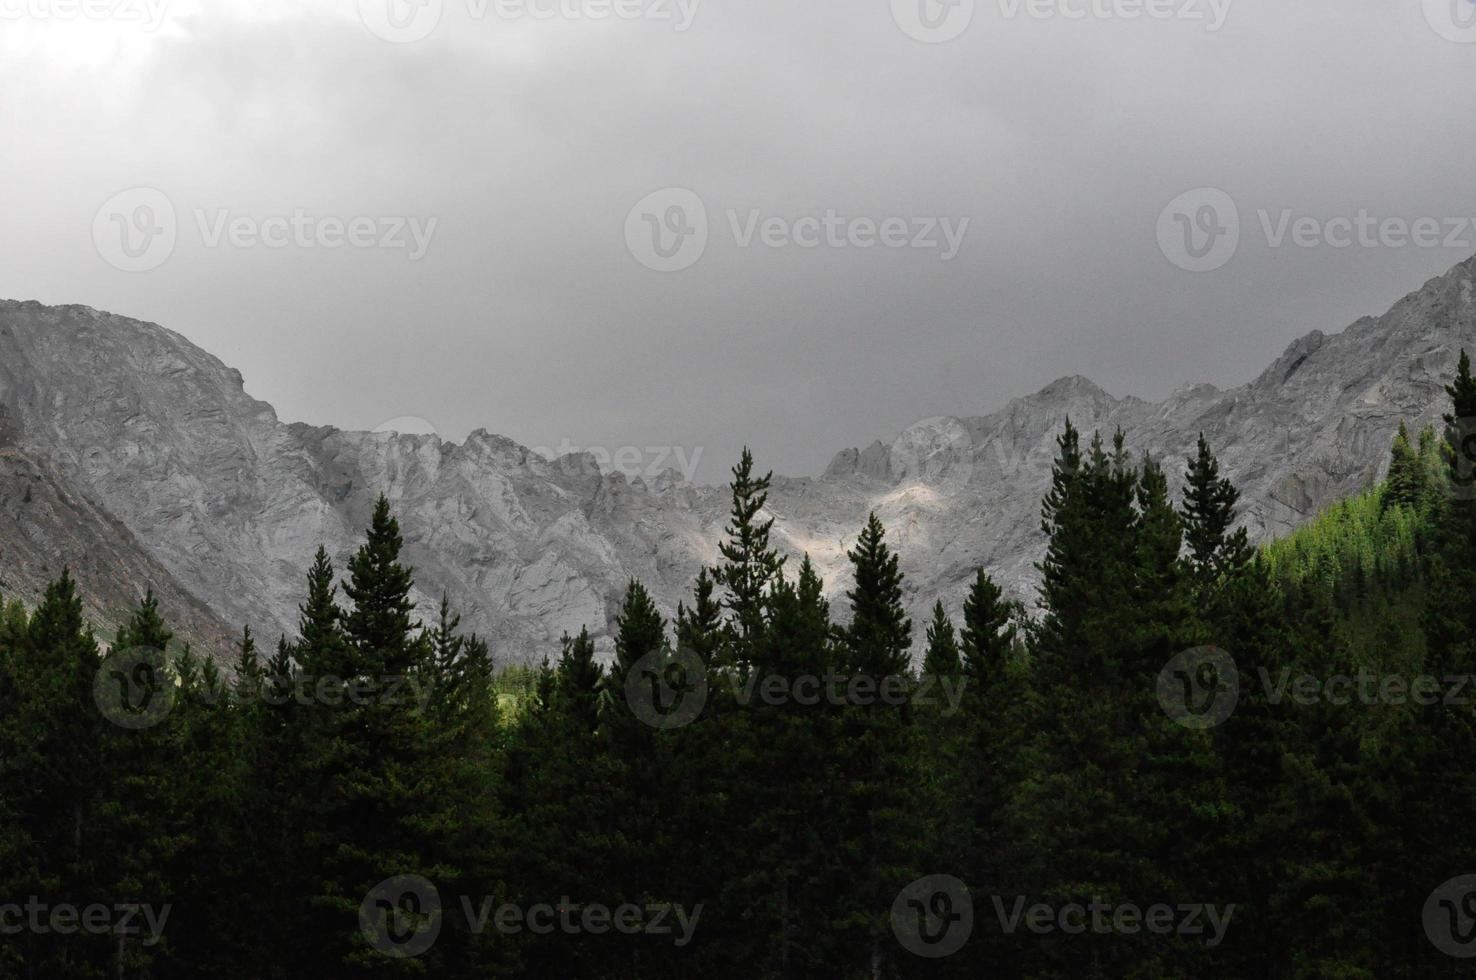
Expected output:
{"points": [[46, 526], [232, 501]]}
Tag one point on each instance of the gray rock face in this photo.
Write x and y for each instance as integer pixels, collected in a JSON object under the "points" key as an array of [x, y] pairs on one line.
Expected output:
{"points": [[233, 502], [46, 526]]}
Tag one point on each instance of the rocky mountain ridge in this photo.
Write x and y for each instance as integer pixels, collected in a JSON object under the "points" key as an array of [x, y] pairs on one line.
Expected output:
{"points": [[219, 494]]}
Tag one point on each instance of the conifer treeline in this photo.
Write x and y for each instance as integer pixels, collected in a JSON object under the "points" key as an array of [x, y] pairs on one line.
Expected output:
{"points": [[766, 787]]}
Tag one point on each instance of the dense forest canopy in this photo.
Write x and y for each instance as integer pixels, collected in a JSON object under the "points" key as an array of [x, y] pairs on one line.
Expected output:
{"points": [[1194, 758]]}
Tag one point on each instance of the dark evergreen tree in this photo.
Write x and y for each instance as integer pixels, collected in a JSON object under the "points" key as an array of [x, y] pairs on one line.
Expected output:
{"points": [[750, 566], [1215, 546], [54, 777], [140, 816], [879, 738], [369, 822], [942, 658], [1405, 485], [699, 628]]}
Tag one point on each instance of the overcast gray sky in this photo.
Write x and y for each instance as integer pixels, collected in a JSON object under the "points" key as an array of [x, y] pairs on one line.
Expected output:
{"points": [[531, 131]]}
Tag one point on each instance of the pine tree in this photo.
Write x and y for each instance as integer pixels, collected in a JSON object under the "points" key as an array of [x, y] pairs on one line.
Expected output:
{"points": [[1064, 589], [699, 628], [141, 817], [369, 821], [992, 750], [793, 880], [639, 766], [1215, 547], [17, 876], [53, 776], [248, 669], [988, 636], [942, 658], [880, 739], [580, 682], [1405, 484], [880, 633], [561, 783], [640, 631], [750, 566], [463, 749]]}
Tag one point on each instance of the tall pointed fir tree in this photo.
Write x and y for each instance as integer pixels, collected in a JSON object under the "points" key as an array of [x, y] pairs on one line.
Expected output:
{"points": [[879, 741], [371, 821], [53, 778], [994, 711], [1215, 547], [141, 816], [639, 769], [750, 565], [1439, 805]]}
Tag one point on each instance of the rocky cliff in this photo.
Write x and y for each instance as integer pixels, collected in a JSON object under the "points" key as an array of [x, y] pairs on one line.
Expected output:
{"points": [[216, 492]]}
